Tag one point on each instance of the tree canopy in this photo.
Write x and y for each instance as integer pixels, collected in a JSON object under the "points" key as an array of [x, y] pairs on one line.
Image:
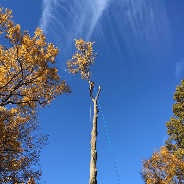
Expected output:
{"points": [[28, 81], [167, 164], [162, 168], [175, 127], [81, 61]]}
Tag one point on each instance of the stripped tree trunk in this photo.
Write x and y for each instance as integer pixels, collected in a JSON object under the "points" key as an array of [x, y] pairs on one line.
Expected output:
{"points": [[93, 170]]}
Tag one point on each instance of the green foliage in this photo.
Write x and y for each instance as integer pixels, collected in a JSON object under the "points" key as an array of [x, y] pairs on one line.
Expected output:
{"points": [[175, 127], [161, 168], [167, 165]]}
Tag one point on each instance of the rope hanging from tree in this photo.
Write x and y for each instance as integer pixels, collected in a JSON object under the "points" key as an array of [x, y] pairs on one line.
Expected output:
{"points": [[109, 141]]}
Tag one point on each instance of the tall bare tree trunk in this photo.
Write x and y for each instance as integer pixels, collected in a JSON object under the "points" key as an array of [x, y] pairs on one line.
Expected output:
{"points": [[93, 170]]}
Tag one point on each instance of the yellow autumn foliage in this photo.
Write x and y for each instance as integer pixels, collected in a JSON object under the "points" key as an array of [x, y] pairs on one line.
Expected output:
{"points": [[162, 167], [83, 60], [28, 81]]}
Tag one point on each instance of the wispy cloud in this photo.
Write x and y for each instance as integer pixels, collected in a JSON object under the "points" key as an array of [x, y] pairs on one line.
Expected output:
{"points": [[46, 14], [64, 20], [179, 69], [165, 137], [77, 18], [141, 25], [98, 7]]}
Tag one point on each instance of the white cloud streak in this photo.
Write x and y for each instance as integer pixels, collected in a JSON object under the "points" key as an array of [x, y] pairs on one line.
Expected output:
{"points": [[46, 15], [77, 16], [142, 25], [64, 20], [179, 69]]}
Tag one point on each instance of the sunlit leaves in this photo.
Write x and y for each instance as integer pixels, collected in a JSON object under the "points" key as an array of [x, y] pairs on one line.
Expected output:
{"points": [[25, 70], [81, 61], [5, 18], [28, 81], [18, 148], [175, 127], [162, 167], [167, 165]]}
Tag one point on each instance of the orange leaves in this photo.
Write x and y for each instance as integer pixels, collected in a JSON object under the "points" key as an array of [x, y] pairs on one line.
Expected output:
{"points": [[14, 33], [167, 165], [39, 33], [28, 81], [4, 18], [162, 167], [83, 60], [26, 64], [2, 75]]}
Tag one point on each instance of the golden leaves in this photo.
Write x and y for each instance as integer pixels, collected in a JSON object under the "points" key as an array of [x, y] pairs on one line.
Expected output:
{"points": [[5, 18], [83, 60], [167, 165], [25, 70], [162, 167], [28, 81]]}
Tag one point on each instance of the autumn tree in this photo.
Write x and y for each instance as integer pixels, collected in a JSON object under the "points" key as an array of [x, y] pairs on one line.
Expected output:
{"points": [[167, 165], [175, 127], [162, 167], [81, 62], [28, 81]]}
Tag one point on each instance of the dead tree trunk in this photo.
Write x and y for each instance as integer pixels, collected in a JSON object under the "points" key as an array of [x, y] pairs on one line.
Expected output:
{"points": [[93, 170]]}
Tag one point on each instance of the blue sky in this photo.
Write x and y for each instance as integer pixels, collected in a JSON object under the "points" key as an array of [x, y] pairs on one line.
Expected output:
{"points": [[140, 62]]}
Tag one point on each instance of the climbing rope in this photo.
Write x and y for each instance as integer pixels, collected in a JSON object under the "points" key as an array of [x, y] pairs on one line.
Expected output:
{"points": [[90, 110], [108, 140]]}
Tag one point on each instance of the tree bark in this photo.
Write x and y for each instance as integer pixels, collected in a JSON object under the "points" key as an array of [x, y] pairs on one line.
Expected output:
{"points": [[93, 170]]}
